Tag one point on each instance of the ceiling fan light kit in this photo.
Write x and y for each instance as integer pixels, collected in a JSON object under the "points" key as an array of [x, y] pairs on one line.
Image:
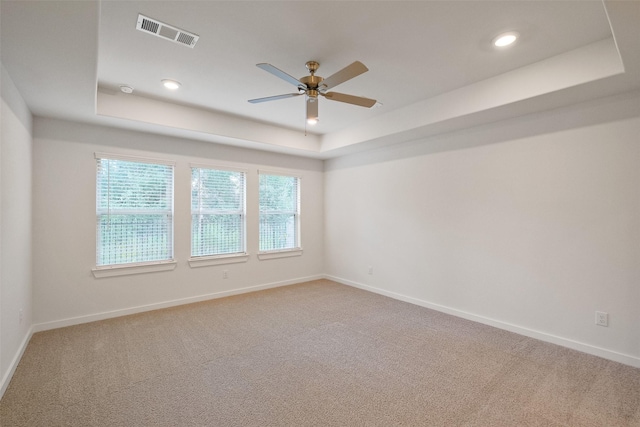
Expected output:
{"points": [[313, 86]]}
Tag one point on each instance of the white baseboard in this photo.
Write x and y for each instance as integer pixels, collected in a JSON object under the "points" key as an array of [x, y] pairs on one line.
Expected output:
{"points": [[6, 379], [542, 336], [165, 304]]}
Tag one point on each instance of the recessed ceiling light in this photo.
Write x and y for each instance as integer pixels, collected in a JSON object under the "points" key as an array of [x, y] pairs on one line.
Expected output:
{"points": [[171, 84], [505, 39], [126, 89]]}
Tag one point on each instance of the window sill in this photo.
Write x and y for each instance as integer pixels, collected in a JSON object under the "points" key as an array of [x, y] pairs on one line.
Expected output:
{"points": [[280, 254], [218, 260], [125, 269]]}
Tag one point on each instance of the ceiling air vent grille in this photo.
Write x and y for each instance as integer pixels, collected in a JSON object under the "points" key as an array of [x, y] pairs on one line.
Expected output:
{"points": [[165, 31]]}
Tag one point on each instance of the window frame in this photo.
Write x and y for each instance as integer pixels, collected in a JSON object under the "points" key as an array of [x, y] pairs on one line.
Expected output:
{"points": [[297, 250], [226, 258], [109, 270]]}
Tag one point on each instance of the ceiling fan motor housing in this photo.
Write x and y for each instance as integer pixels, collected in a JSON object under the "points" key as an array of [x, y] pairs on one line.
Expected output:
{"points": [[311, 81]]}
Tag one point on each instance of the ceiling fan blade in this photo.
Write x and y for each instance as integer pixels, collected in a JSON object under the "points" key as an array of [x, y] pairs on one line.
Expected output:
{"points": [[347, 73], [279, 73], [273, 98], [350, 99], [312, 109]]}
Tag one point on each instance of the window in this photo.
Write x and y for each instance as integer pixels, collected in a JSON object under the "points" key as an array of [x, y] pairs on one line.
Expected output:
{"points": [[279, 212], [134, 211], [217, 212]]}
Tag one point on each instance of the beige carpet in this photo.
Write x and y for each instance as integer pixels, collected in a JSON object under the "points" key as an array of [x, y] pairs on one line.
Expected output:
{"points": [[314, 354]]}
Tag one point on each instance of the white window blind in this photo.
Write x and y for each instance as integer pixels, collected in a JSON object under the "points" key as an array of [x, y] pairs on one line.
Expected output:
{"points": [[134, 212], [279, 212], [217, 212]]}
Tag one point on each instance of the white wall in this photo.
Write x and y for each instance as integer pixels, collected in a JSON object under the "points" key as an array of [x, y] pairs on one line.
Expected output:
{"points": [[15, 228], [64, 225], [530, 224]]}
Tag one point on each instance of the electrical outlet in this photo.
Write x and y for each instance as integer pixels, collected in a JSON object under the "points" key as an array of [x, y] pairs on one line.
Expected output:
{"points": [[225, 274], [20, 315], [370, 270], [602, 318]]}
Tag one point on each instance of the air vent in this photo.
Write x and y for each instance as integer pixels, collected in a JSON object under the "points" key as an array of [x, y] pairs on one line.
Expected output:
{"points": [[165, 31]]}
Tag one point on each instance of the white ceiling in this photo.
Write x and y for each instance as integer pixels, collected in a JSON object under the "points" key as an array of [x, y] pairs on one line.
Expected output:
{"points": [[431, 65]]}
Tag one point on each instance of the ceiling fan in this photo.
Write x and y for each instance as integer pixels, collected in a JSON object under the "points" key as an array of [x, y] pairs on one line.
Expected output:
{"points": [[313, 86]]}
